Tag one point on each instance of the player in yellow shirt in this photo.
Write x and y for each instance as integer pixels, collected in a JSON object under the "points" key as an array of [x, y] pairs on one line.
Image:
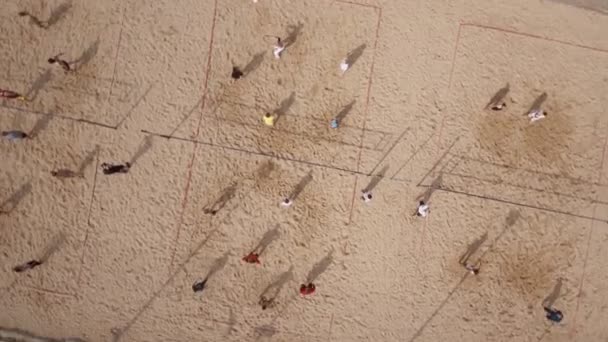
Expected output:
{"points": [[269, 119]]}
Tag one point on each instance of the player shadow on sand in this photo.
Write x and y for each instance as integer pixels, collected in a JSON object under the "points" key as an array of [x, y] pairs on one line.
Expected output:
{"points": [[40, 125], [271, 292], [225, 196], [267, 239], [56, 15], [87, 55], [554, 295], [16, 198], [344, 111], [297, 190], [376, 179], [88, 160], [38, 84], [284, 106], [537, 103], [217, 266], [141, 150], [320, 267], [255, 63], [294, 31], [472, 248], [353, 56], [53, 246], [435, 185], [68, 173], [497, 99]]}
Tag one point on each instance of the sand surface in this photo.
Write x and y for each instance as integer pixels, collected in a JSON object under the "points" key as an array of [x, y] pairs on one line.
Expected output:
{"points": [[152, 86]]}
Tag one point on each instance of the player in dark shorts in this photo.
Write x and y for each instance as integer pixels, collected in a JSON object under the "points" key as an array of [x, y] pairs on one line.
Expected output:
{"points": [[62, 63], [554, 315], [27, 266], [109, 169]]}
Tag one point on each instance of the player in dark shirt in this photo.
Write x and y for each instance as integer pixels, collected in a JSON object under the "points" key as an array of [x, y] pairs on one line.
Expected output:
{"points": [[554, 315], [109, 169]]}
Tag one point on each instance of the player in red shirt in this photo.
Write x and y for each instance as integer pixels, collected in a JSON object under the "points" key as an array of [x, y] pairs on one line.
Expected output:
{"points": [[307, 289], [252, 258], [7, 94]]}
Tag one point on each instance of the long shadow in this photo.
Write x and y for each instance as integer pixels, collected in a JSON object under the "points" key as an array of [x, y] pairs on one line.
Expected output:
{"points": [[88, 160], [217, 266], [58, 13], [300, 187], [226, 195], [435, 185], [143, 148], [512, 217], [33, 19], [87, 55], [537, 103], [255, 63], [285, 105], [344, 111], [41, 125], [320, 267], [16, 198], [38, 84], [552, 297], [472, 248], [294, 32], [53, 246], [376, 179], [273, 289], [498, 97], [267, 239], [355, 54]]}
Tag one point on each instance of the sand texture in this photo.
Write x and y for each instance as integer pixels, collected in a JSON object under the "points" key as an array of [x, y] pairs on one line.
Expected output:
{"points": [[151, 85]]}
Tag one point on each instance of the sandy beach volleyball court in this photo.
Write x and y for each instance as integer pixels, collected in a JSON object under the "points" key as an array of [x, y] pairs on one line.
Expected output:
{"points": [[146, 200]]}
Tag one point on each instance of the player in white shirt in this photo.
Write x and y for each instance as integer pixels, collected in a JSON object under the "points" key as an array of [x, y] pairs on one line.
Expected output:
{"points": [[537, 114], [286, 203], [344, 66], [278, 48], [366, 196], [423, 209]]}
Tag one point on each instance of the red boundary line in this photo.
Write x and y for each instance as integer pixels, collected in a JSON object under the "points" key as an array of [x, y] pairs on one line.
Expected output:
{"points": [[505, 30], [180, 220], [531, 35], [366, 110]]}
